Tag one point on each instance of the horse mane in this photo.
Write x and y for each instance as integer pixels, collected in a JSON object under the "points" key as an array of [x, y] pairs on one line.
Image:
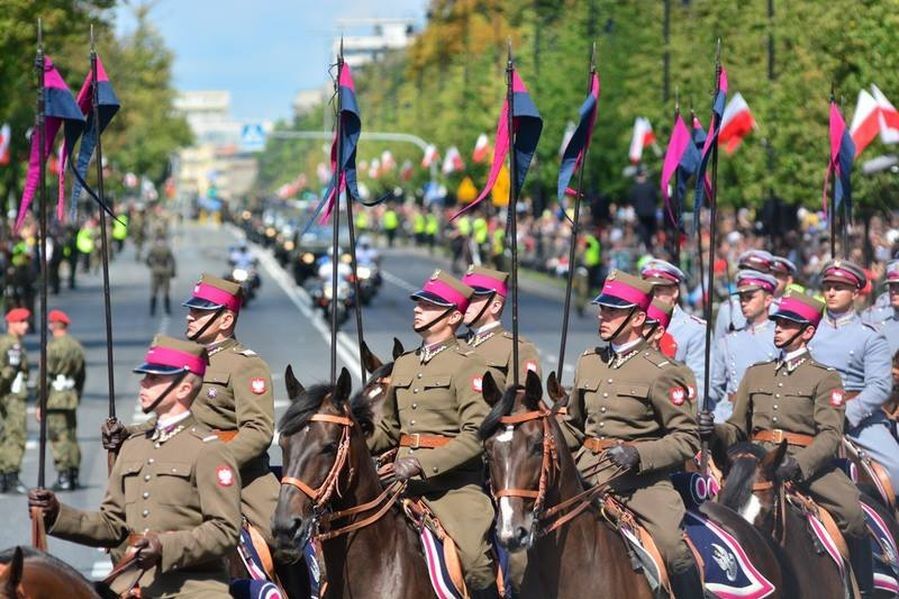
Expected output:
{"points": [[501, 408], [55, 563], [741, 474], [360, 403], [302, 408]]}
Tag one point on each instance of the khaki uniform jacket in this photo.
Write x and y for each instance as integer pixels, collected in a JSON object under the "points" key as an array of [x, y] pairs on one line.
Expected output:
{"points": [[642, 398], [161, 261], [237, 396], [65, 365], [13, 367], [804, 397], [495, 347], [186, 488]]}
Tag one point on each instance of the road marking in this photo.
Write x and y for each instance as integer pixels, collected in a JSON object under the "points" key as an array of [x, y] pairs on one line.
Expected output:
{"points": [[399, 282], [298, 296]]}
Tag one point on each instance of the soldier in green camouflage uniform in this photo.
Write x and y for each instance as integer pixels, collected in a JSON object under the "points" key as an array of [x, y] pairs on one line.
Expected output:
{"points": [[13, 395], [65, 381]]}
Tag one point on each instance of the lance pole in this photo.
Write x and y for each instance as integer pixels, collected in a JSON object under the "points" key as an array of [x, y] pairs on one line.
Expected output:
{"points": [[713, 218], [512, 216], [335, 215], [357, 304], [575, 229], [42, 141], [104, 244]]}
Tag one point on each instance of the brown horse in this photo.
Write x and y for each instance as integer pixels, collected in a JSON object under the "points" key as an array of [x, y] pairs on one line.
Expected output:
{"points": [[538, 483], [331, 492], [27, 573], [751, 490], [375, 390]]}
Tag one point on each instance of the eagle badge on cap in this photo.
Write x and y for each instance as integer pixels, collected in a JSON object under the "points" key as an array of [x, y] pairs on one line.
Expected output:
{"points": [[257, 385], [224, 476], [677, 395], [836, 398]]}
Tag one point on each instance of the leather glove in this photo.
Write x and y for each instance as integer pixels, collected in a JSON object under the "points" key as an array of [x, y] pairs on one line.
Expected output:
{"points": [[788, 470], [406, 468], [47, 501], [706, 425], [624, 456], [113, 434], [149, 550]]}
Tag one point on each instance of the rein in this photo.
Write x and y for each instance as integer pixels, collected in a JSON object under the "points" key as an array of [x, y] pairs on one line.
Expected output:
{"points": [[322, 494], [556, 516]]}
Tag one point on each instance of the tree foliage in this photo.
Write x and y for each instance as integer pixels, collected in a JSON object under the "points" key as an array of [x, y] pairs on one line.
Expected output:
{"points": [[448, 86]]}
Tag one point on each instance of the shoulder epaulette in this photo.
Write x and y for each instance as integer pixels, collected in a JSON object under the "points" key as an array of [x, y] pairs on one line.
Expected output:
{"points": [[821, 366], [464, 350], [248, 353], [656, 358], [209, 438], [697, 319], [591, 350]]}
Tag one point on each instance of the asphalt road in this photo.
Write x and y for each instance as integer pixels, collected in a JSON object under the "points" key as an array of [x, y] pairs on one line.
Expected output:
{"points": [[279, 324]]}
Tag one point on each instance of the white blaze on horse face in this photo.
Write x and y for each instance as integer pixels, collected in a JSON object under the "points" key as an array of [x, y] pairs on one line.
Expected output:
{"points": [[751, 510], [506, 435], [505, 518]]}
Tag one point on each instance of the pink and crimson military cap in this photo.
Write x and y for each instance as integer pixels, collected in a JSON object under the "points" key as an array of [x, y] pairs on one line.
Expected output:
{"points": [[758, 260], [659, 312], [892, 274], [168, 355], [659, 272], [485, 281], [622, 290], [752, 280], [843, 271], [782, 266], [799, 307], [446, 291], [213, 293]]}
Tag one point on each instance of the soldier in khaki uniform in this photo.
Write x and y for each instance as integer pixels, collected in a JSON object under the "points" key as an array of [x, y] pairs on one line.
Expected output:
{"points": [[632, 404], [432, 410], [162, 270], [487, 337], [13, 396], [65, 379], [174, 488], [801, 401]]}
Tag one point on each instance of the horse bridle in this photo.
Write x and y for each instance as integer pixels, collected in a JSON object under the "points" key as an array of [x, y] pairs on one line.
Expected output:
{"points": [[780, 500], [550, 463]]}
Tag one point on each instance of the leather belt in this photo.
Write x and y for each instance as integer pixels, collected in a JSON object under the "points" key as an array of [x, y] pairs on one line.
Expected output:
{"points": [[225, 436], [776, 436], [850, 394], [597, 445], [416, 440]]}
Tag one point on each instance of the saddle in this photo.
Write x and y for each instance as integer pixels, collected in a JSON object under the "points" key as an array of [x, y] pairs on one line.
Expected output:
{"points": [[870, 470], [441, 554]]}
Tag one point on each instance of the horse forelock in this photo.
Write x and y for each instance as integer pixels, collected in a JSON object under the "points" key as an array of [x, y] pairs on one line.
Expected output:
{"points": [[303, 407], [744, 460], [501, 408]]}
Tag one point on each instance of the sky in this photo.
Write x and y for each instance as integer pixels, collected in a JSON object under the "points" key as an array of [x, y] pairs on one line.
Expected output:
{"points": [[262, 51]]}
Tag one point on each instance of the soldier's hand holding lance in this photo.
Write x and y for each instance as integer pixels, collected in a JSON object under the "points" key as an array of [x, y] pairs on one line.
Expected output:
{"points": [[113, 434], [706, 425], [46, 501]]}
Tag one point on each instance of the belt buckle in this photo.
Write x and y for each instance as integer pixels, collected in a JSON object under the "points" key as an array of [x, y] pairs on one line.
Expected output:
{"points": [[416, 441], [778, 435]]}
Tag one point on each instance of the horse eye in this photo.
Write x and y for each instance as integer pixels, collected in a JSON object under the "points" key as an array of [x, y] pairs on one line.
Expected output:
{"points": [[330, 448], [536, 448]]}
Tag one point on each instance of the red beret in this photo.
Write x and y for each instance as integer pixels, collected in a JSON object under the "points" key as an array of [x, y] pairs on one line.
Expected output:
{"points": [[18, 315], [58, 316]]}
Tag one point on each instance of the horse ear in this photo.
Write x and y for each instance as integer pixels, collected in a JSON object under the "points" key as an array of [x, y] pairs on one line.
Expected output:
{"points": [[489, 390], [294, 387], [16, 566], [533, 391], [773, 459], [555, 390], [343, 387], [398, 349], [370, 361]]}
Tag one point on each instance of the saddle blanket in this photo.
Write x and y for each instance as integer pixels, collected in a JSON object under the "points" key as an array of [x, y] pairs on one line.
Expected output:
{"points": [[886, 554], [244, 588], [727, 570], [258, 585], [438, 570]]}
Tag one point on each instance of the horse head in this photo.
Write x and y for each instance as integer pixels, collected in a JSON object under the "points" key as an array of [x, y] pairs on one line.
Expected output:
{"points": [[520, 450], [11, 575], [751, 488], [315, 435]]}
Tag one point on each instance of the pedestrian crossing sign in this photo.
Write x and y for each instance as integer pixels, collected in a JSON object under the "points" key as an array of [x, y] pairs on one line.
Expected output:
{"points": [[252, 138]]}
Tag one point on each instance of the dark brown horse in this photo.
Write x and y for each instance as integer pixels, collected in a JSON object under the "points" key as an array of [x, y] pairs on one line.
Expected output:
{"points": [[751, 490], [27, 573], [375, 390], [583, 556], [330, 491]]}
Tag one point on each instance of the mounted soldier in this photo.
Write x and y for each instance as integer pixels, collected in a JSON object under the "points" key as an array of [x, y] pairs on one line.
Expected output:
{"points": [[432, 410], [632, 405]]}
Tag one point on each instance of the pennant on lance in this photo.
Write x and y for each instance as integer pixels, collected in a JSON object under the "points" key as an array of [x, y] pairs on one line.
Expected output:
{"points": [[60, 110], [528, 125], [842, 153], [574, 151], [107, 107], [681, 159], [711, 142]]}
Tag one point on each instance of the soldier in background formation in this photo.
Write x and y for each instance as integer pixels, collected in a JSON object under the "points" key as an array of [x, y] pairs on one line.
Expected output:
{"points": [[162, 270], [799, 399], [634, 405], [13, 397], [179, 462], [884, 314], [65, 382]]}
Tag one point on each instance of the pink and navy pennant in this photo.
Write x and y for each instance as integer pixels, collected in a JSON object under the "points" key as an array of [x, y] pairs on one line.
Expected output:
{"points": [[349, 131], [107, 107], [60, 109], [576, 149], [528, 125], [698, 131], [681, 161], [711, 142], [842, 153]]}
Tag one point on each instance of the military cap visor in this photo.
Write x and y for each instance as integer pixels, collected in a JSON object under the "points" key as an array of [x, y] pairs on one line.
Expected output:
{"points": [[431, 298], [198, 303], [610, 301], [150, 368]]}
